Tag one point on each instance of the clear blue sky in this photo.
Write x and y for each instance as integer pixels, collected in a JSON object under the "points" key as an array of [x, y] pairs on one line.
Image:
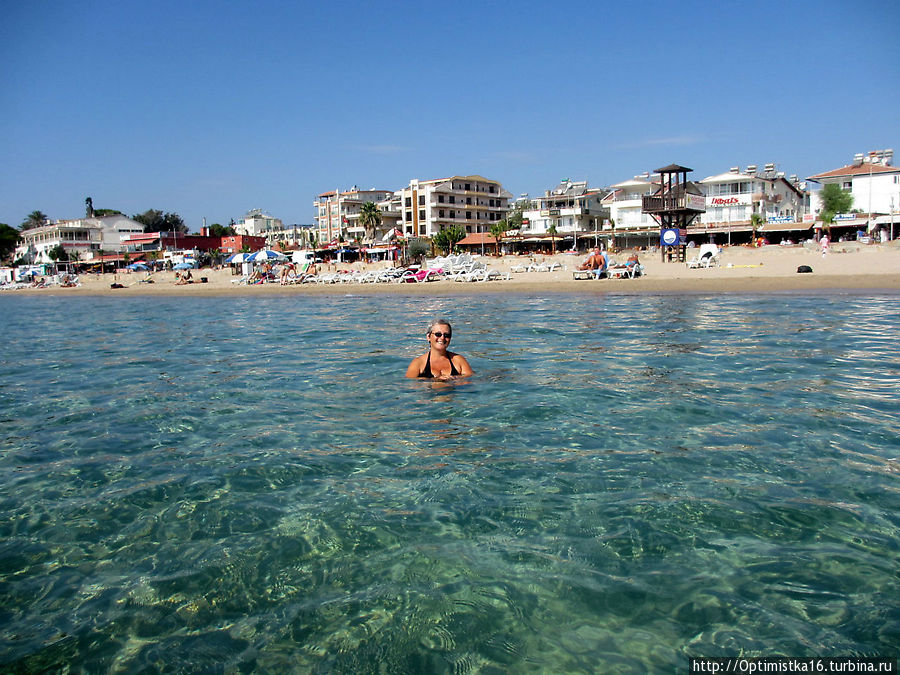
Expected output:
{"points": [[209, 109]]}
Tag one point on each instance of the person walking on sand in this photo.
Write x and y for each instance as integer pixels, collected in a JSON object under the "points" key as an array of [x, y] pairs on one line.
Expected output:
{"points": [[824, 244]]}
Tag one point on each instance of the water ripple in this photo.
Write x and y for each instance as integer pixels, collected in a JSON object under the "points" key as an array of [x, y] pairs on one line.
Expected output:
{"points": [[248, 483]]}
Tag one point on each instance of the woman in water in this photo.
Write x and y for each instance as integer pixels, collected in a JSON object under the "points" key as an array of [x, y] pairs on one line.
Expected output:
{"points": [[437, 362]]}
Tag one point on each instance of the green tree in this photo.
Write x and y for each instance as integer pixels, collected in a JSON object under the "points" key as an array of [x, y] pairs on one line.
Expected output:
{"points": [[834, 201], [216, 230], [446, 239], [370, 219], [157, 221], [515, 217], [9, 239], [552, 232], [58, 254], [100, 213], [497, 230], [34, 219], [418, 249], [755, 221]]}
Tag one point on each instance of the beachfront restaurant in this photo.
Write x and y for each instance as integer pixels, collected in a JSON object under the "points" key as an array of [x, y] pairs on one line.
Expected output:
{"points": [[784, 231], [720, 233]]}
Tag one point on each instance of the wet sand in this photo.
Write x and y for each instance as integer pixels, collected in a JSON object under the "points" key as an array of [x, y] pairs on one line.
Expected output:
{"points": [[848, 266]]}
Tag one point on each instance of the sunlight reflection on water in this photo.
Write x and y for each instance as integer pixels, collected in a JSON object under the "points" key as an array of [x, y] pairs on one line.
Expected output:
{"points": [[249, 483]]}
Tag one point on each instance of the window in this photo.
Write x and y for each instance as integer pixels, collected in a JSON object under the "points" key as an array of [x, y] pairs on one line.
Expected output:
{"points": [[441, 213], [452, 199], [468, 200], [468, 215], [467, 187], [421, 200], [440, 199], [421, 214], [847, 185], [492, 189], [452, 213], [407, 216], [407, 202]]}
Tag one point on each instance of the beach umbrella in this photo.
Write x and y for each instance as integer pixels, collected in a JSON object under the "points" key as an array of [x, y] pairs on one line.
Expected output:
{"points": [[266, 255], [183, 266], [237, 258], [134, 267]]}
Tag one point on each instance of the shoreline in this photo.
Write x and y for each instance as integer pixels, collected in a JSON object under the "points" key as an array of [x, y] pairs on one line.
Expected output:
{"points": [[771, 269]]}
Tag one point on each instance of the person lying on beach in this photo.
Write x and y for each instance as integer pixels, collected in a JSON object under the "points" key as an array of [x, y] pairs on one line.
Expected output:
{"points": [[631, 262], [437, 362]]}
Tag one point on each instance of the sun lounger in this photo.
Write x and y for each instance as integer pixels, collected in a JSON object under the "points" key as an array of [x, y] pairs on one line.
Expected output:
{"points": [[420, 276], [624, 272], [707, 256], [590, 274]]}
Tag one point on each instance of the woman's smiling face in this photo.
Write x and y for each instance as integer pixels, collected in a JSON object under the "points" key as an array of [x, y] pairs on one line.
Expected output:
{"points": [[439, 336]]}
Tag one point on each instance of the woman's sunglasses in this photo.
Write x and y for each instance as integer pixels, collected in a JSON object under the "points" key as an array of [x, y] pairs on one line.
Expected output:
{"points": [[439, 334]]}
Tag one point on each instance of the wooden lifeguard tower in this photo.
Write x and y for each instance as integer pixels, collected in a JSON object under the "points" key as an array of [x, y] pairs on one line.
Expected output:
{"points": [[674, 206]]}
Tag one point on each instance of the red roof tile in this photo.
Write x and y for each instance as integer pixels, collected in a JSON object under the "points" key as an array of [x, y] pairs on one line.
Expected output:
{"points": [[856, 170], [477, 238]]}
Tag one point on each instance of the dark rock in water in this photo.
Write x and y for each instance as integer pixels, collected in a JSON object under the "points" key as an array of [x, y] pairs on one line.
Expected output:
{"points": [[804, 269]]}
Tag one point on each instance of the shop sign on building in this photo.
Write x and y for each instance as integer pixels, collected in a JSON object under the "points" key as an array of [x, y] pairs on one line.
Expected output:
{"points": [[695, 202]]}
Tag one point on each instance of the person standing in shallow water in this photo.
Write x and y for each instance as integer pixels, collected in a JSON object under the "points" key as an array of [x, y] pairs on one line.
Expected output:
{"points": [[439, 363]]}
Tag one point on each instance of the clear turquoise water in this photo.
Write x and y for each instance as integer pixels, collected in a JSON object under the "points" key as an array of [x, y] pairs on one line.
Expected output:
{"points": [[248, 484]]}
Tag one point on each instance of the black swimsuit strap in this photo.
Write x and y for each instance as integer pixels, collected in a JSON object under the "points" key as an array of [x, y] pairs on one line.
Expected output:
{"points": [[427, 371]]}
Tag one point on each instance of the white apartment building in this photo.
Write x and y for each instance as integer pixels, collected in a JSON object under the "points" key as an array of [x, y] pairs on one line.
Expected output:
{"points": [[257, 223], [337, 213], [83, 238], [733, 197], [290, 236], [624, 204], [872, 180], [473, 202], [572, 207]]}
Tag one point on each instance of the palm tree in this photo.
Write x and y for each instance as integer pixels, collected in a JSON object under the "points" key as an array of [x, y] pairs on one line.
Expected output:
{"points": [[34, 219], [497, 230], [370, 219], [552, 232]]}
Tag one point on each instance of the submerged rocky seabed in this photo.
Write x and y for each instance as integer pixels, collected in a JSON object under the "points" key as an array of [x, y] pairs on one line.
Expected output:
{"points": [[250, 483]]}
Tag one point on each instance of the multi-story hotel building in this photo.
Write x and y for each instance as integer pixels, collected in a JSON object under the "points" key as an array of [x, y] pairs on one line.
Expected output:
{"points": [[626, 218], [337, 213], [472, 202], [734, 196], [83, 238], [571, 207], [257, 223], [871, 179]]}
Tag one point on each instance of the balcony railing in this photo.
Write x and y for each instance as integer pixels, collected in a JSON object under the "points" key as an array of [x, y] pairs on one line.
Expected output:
{"points": [[668, 203]]}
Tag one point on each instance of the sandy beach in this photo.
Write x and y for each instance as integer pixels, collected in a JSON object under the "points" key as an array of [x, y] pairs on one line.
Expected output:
{"points": [[848, 266]]}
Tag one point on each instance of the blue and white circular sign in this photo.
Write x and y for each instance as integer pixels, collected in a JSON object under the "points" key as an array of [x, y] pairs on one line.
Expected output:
{"points": [[669, 237]]}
